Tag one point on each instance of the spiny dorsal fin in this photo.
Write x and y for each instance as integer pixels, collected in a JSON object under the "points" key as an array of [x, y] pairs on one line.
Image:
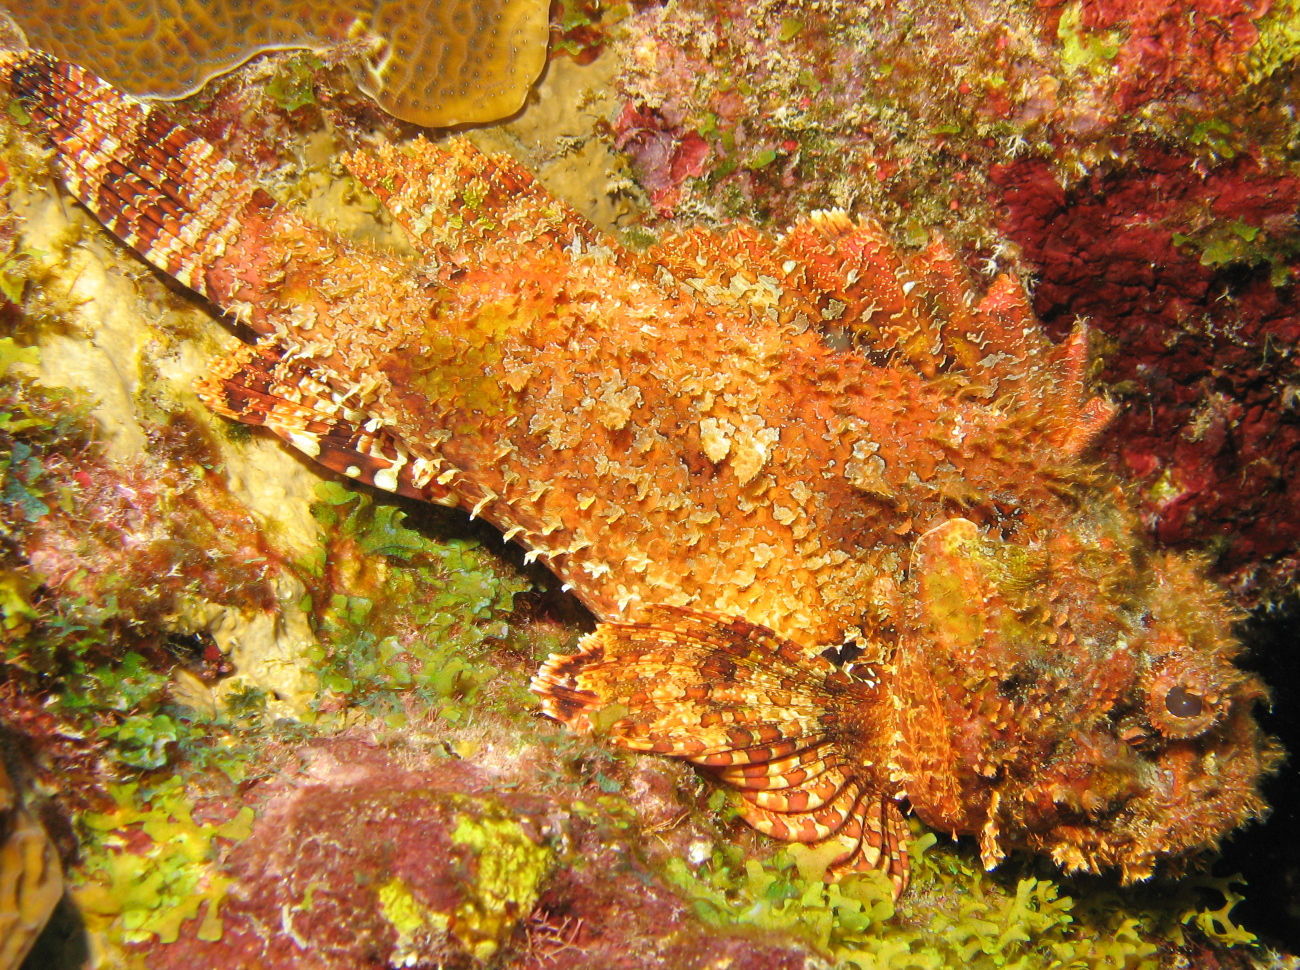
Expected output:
{"points": [[455, 200], [923, 308], [872, 289]]}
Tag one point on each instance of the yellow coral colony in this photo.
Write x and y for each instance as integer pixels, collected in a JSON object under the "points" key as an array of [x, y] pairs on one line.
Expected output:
{"points": [[435, 63]]}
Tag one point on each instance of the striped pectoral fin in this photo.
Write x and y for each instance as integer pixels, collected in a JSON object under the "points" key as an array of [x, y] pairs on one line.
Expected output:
{"points": [[867, 829], [817, 825], [878, 836], [714, 690], [256, 386], [754, 709]]}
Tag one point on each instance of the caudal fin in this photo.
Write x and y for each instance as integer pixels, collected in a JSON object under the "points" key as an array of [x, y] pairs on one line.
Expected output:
{"points": [[161, 188]]}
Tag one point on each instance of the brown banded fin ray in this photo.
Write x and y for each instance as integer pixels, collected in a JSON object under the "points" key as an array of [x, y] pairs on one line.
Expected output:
{"points": [[256, 386], [736, 698]]}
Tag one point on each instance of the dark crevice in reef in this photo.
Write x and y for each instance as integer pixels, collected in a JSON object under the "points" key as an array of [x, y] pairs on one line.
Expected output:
{"points": [[1268, 854]]}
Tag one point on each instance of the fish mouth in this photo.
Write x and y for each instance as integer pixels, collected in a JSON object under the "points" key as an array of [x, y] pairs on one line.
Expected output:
{"points": [[1182, 797]]}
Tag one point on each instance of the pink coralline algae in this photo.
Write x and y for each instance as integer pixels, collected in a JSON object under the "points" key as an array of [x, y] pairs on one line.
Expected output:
{"points": [[1186, 271], [1172, 48], [358, 861], [664, 155]]}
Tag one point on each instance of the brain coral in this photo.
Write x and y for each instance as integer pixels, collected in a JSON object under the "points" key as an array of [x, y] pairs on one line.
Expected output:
{"points": [[437, 62]]}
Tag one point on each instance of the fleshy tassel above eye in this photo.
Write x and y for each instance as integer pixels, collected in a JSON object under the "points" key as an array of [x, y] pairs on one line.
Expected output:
{"points": [[737, 699]]}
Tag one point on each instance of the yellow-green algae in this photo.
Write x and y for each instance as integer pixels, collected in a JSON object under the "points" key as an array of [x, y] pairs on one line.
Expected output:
{"points": [[510, 870], [133, 897], [1279, 40], [1082, 49], [955, 914], [409, 917]]}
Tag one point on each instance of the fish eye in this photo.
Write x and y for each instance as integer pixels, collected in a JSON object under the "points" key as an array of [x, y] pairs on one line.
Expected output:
{"points": [[1182, 697], [1181, 702]]}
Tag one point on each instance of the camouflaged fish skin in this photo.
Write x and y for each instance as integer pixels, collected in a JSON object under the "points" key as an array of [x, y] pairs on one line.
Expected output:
{"points": [[829, 502]]}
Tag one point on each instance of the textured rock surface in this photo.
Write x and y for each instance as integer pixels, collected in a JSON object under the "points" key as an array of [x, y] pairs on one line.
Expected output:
{"points": [[360, 860]]}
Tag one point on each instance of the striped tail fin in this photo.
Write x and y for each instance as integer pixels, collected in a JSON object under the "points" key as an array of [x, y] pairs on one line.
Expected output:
{"points": [[171, 196], [162, 189]]}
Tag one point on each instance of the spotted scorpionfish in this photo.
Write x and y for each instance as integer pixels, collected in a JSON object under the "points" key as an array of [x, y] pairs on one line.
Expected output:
{"points": [[829, 504]]}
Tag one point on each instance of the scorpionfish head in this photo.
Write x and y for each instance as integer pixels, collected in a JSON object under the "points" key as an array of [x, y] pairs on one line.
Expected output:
{"points": [[1076, 696]]}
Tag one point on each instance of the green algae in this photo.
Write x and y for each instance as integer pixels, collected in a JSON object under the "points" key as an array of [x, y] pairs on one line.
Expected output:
{"points": [[292, 87], [1221, 242], [35, 425], [15, 271], [1082, 49], [955, 915], [133, 895], [401, 616], [1279, 41]]}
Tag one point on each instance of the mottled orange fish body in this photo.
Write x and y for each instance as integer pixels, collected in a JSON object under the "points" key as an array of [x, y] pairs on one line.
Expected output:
{"points": [[741, 453]]}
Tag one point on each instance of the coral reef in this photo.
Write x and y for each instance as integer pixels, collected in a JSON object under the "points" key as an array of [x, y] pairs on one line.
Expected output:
{"points": [[433, 64], [372, 648], [902, 108], [1030, 588], [1161, 53]]}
